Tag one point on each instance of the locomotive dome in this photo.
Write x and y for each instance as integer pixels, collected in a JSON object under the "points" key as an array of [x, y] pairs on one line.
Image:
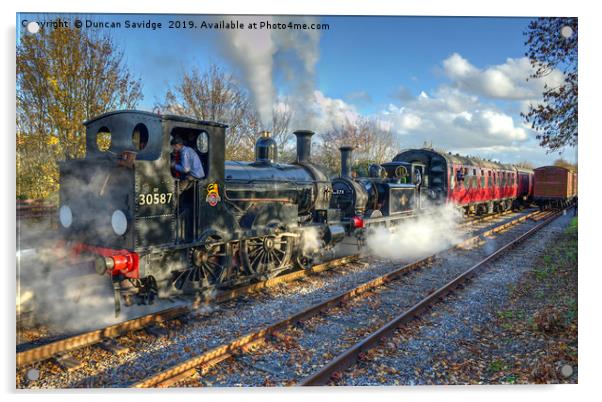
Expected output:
{"points": [[266, 150]]}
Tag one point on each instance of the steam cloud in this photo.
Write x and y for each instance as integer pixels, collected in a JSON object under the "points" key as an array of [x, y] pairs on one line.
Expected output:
{"points": [[64, 294], [253, 51], [311, 240], [263, 54], [429, 233], [70, 297]]}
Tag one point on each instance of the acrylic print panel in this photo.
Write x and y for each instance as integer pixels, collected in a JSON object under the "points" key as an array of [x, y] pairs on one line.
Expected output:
{"points": [[260, 200]]}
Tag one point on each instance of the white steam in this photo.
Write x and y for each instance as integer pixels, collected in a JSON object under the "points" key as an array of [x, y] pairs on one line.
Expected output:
{"points": [[312, 241], [428, 233], [263, 54], [298, 52], [69, 296], [253, 50], [63, 293]]}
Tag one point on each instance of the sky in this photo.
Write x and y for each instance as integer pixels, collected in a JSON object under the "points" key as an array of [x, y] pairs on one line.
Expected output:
{"points": [[458, 83]]}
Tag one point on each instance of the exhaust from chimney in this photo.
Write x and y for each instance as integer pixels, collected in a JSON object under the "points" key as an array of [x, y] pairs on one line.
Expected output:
{"points": [[303, 145], [346, 161]]}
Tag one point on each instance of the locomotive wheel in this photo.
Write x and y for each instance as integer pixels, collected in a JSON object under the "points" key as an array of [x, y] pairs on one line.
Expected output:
{"points": [[207, 262], [265, 257], [303, 262]]}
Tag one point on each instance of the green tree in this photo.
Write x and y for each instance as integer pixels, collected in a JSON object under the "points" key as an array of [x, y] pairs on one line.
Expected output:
{"points": [[552, 44], [64, 77]]}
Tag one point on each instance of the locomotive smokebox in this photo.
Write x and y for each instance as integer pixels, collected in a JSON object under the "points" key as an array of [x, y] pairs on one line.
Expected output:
{"points": [[266, 150], [303, 145], [346, 161]]}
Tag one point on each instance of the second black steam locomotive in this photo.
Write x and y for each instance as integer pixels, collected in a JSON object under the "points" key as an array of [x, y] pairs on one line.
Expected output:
{"points": [[243, 222]]}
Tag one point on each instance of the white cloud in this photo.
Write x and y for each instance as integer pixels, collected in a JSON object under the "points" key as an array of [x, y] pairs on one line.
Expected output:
{"points": [[503, 81], [459, 117], [331, 111], [452, 119]]}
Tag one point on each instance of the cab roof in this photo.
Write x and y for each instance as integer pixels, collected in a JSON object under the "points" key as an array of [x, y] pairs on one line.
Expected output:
{"points": [[162, 117]]}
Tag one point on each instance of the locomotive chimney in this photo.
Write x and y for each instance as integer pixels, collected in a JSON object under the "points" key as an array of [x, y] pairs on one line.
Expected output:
{"points": [[303, 145], [346, 161]]}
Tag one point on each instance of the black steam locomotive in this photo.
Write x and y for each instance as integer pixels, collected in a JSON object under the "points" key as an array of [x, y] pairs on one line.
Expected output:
{"points": [[242, 222]]}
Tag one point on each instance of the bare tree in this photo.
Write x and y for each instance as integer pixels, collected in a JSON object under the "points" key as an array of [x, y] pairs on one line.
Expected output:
{"points": [[216, 96], [372, 144], [281, 119], [565, 164], [524, 164]]}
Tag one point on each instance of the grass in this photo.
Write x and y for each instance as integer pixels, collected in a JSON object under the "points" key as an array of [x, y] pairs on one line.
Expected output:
{"points": [[542, 306], [562, 254], [496, 366]]}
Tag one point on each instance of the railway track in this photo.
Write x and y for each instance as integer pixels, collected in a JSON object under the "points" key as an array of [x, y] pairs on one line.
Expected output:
{"points": [[55, 348], [241, 354], [40, 350], [59, 351], [472, 221], [354, 353]]}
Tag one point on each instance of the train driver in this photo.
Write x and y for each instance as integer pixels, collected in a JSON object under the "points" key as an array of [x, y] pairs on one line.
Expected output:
{"points": [[185, 164]]}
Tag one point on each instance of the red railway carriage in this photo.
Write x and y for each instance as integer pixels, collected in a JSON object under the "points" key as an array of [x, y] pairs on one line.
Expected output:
{"points": [[526, 180], [477, 185], [554, 186]]}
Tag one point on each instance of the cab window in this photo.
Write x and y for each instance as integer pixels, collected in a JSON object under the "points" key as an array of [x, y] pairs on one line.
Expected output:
{"points": [[140, 137], [198, 140]]}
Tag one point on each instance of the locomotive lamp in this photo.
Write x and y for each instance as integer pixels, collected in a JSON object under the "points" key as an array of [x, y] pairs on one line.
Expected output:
{"points": [[119, 222], [65, 216]]}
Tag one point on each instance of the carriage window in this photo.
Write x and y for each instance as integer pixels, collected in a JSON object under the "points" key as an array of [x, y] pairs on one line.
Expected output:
{"points": [[140, 137], [202, 142], [103, 139], [452, 179], [482, 181]]}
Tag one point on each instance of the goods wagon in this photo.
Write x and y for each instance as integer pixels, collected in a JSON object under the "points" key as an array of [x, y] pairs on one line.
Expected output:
{"points": [[554, 186]]}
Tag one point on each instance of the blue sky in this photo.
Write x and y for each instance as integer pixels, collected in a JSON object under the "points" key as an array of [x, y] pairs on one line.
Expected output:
{"points": [[458, 82]]}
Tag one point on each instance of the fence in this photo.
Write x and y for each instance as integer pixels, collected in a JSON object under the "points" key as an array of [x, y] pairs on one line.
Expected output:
{"points": [[35, 209]]}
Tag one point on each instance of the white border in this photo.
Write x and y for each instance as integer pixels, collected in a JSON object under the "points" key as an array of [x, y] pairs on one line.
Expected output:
{"points": [[589, 179]]}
